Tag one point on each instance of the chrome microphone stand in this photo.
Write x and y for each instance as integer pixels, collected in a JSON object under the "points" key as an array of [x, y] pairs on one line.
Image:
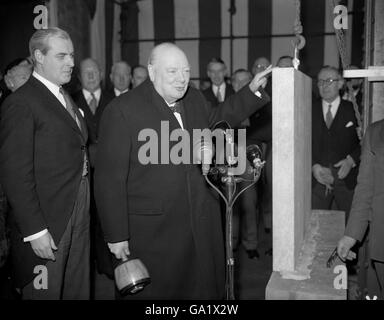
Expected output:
{"points": [[229, 181]]}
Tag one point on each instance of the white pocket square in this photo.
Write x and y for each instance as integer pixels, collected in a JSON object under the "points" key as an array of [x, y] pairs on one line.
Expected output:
{"points": [[350, 123], [82, 112]]}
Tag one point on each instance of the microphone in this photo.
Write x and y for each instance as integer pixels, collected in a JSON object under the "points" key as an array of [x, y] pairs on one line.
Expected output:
{"points": [[230, 141], [203, 153], [231, 148], [254, 157]]}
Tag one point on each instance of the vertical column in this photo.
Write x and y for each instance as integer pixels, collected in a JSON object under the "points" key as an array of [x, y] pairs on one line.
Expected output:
{"points": [[292, 157], [378, 60]]}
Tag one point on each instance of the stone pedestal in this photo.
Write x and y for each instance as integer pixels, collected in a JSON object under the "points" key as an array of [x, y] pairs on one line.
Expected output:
{"points": [[312, 280], [292, 104]]}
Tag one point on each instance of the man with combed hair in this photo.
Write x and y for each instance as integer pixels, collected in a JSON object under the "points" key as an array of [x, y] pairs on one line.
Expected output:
{"points": [[120, 77], [335, 145], [165, 214], [92, 100], [219, 90], [44, 172]]}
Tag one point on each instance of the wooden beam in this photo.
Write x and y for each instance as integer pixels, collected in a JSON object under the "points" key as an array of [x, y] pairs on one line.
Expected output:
{"points": [[373, 73]]}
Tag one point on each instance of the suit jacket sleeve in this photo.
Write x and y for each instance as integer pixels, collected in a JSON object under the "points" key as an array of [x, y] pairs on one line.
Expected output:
{"points": [[17, 167], [355, 154], [261, 126], [362, 200], [238, 107], [111, 172]]}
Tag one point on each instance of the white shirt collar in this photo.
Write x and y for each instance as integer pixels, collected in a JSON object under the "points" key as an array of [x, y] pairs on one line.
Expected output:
{"points": [[335, 106], [54, 88], [88, 97], [118, 92]]}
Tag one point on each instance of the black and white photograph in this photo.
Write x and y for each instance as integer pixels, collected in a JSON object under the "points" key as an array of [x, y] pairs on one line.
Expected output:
{"points": [[204, 153]]}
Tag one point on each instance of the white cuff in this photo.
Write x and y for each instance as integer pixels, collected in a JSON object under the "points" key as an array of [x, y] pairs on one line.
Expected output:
{"points": [[35, 236], [257, 93]]}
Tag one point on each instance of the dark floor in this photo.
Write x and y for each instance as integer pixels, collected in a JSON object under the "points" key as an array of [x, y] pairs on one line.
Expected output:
{"points": [[251, 275]]}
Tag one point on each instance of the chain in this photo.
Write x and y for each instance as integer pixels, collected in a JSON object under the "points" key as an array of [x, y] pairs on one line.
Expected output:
{"points": [[298, 28], [299, 41], [342, 47]]}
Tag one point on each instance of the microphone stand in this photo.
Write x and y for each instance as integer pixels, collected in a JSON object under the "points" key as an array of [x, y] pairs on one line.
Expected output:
{"points": [[229, 180], [230, 189]]}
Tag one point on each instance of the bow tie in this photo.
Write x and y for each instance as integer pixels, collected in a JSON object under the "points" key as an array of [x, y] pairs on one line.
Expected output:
{"points": [[176, 108]]}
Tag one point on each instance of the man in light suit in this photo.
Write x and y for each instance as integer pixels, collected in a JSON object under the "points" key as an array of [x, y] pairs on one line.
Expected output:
{"points": [[165, 214], [43, 169], [367, 209], [335, 145]]}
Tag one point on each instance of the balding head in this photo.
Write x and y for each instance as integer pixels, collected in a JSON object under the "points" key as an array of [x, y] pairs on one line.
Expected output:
{"points": [[260, 64], [17, 76], [169, 71], [285, 62], [121, 75], [90, 74]]}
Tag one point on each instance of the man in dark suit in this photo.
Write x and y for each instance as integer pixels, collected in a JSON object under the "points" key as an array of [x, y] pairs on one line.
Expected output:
{"points": [[120, 77], [245, 210], [219, 90], [139, 75], [92, 100], [43, 169], [165, 214], [335, 145], [367, 209], [260, 133]]}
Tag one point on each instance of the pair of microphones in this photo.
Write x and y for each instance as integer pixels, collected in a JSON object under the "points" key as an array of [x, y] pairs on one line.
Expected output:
{"points": [[204, 150]]}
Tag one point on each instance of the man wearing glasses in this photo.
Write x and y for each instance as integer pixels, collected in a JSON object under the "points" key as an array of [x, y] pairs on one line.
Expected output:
{"points": [[335, 145]]}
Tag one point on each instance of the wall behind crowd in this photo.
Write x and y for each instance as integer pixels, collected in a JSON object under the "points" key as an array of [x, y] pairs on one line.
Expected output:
{"points": [[110, 32]]}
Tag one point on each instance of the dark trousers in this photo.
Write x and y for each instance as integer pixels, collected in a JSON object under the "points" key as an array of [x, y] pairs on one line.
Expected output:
{"points": [[69, 275], [340, 193], [244, 219], [267, 187]]}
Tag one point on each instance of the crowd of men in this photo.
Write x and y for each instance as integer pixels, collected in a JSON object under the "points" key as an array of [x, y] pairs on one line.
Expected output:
{"points": [[77, 198]]}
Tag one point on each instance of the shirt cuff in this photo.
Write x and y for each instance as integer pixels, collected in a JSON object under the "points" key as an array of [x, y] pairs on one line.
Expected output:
{"points": [[35, 236], [257, 93]]}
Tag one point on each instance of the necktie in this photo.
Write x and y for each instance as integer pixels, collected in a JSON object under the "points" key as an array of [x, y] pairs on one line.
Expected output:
{"points": [[218, 95], [175, 108], [69, 106], [93, 103], [329, 117]]}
